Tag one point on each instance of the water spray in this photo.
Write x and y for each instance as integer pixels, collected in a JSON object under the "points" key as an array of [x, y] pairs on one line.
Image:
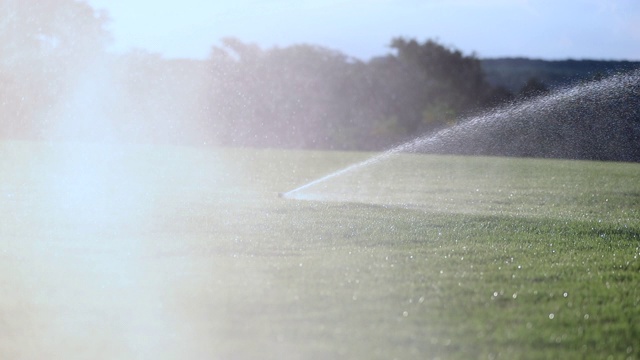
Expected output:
{"points": [[606, 89]]}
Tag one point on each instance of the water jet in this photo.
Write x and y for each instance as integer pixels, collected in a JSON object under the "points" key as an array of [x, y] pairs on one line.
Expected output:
{"points": [[578, 122]]}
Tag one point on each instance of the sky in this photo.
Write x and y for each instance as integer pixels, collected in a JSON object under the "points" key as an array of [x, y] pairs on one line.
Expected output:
{"points": [[543, 29]]}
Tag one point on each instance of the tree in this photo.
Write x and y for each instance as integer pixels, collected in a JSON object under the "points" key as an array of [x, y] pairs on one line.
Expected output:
{"points": [[297, 96], [309, 96], [32, 30], [43, 44], [452, 83]]}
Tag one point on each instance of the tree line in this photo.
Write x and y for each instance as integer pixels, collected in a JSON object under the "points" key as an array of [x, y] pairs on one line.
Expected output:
{"points": [[313, 97], [53, 60]]}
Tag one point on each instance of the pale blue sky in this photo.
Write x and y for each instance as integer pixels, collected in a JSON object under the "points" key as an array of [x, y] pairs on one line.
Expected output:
{"points": [[549, 29]]}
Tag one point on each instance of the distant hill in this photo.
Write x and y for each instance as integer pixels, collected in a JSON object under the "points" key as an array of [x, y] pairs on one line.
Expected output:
{"points": [[513, 73]]}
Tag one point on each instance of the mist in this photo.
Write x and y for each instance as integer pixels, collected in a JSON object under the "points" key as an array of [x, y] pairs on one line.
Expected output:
{"points": [[140, 208], [83, 189]]}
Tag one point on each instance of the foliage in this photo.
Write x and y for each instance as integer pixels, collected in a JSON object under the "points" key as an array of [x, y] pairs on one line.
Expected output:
{"points": [[300, 96], [159, 100], [451, 78], [513, 73], [53, 68], [307, 96], [42, 46]]}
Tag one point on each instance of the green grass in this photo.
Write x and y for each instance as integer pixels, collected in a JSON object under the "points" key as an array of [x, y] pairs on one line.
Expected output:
{"points": [[416, 257]]}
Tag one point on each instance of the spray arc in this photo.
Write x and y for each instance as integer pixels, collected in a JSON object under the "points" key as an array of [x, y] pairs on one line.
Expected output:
{"points": [[480, 135]]}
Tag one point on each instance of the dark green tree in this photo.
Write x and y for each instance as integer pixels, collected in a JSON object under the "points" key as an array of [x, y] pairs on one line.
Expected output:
{"points": [[452, 84], [297, 96], [313, 97]]}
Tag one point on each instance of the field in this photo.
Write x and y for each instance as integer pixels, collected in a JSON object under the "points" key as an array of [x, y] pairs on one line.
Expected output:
{"points": [[169, 252]]}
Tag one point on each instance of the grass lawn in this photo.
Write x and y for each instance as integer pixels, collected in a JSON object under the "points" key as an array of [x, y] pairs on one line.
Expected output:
{"points": [[160, 252]]}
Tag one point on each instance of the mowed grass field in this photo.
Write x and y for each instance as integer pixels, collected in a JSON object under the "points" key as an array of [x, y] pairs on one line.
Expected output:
{"points": [[169, 252]]}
